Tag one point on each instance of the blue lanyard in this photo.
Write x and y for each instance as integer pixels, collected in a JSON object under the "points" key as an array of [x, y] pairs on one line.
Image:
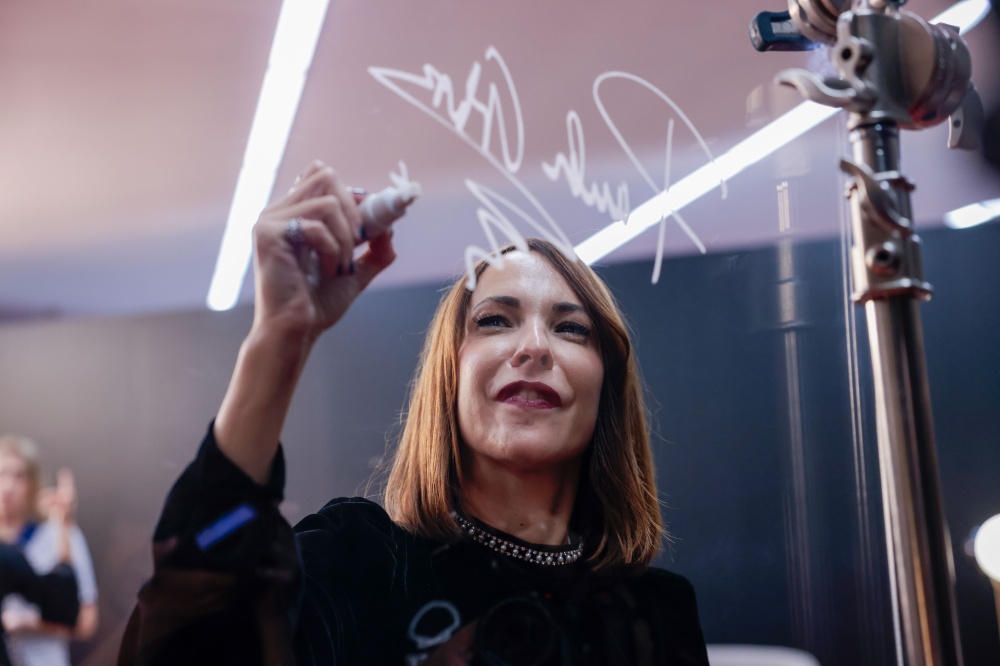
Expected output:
{"points": [[26, 534]]}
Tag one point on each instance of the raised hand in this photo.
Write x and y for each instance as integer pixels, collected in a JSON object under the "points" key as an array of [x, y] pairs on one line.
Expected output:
{"points": [[327, 221], [293, 307], [58, 503]]}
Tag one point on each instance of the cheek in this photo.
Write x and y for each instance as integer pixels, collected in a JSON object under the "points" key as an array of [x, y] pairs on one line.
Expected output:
{"points": [[464, 408], [469, 393], [597, 389], [587, 375], [478, 365]]}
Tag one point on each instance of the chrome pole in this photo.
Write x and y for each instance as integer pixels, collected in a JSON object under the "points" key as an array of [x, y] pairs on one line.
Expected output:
{"points": [[919, 547], [896, 71], [888, 275]]}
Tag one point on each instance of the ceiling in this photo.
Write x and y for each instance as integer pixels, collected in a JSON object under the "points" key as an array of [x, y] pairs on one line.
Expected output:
{"points": [[123, 126]]}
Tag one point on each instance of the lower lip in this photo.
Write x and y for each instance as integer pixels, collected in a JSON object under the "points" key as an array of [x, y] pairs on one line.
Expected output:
{"points": [[527, 403]]}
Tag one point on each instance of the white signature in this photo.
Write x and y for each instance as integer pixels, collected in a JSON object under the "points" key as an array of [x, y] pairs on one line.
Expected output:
{"points": [[505, 152]]}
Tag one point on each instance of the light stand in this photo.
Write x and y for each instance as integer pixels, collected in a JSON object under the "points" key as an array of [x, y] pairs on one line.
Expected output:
{"points": [[896, 72]]}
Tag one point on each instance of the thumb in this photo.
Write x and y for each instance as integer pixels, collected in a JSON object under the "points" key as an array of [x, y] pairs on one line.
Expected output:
{"points": [[376, 258]]}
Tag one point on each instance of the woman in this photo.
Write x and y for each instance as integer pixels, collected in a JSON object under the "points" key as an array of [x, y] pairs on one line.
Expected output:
{"points": [[45, 544], [520, 512]]}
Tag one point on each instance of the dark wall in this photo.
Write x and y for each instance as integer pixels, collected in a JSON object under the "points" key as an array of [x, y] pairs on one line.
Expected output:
{"points": [[764, 434], [963, 355]]}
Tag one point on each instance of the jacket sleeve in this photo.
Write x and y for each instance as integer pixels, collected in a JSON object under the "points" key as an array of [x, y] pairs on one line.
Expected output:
{"points": [[226, 571]]}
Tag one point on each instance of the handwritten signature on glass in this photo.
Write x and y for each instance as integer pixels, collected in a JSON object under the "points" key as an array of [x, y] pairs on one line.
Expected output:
{"points": [[496, 211]]}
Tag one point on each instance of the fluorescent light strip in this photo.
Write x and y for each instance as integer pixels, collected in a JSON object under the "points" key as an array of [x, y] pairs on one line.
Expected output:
{"points": [[782, 131], [966, 14], [973, 214], [299, 25], [703, 180]]}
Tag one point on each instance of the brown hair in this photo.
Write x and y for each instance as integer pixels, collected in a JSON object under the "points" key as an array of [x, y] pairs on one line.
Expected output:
{"points": [[26, 450], [617, 511]]}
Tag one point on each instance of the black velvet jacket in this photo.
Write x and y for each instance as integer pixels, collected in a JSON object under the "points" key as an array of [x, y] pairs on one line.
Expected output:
{"points": [[234, 584]]}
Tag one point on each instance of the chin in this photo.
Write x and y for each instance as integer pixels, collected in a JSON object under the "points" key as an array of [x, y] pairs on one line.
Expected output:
{"points": [[537, 454]]}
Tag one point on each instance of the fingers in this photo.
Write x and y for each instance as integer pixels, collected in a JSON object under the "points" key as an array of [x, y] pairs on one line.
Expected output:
{"points": [[320, 195], [307, 183], [313, 167], [377, 257], [58, 503], [325, 226], [319, 181], [343, 207], [328, 247], [330, 222], [65, 486]]}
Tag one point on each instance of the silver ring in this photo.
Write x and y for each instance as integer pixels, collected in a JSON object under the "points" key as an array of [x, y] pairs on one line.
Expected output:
{"points": [[293, 232]]}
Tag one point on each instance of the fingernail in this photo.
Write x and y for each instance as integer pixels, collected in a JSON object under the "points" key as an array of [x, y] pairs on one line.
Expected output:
{"points": [[359, 191]]}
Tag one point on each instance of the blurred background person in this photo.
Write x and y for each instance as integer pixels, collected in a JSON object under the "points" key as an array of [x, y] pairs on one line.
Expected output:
{"points": [[41, 523]]}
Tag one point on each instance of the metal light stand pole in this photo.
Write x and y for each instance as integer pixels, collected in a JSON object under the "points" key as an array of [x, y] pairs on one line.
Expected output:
{"points": [[897, 72]]}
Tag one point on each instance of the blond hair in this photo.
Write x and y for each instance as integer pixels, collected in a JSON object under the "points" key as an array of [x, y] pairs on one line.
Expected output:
{"points": [[617, 511], [26, 450]]}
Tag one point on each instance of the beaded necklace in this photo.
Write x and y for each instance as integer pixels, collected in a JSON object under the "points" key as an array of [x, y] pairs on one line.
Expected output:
{"points": [[506, 544]]}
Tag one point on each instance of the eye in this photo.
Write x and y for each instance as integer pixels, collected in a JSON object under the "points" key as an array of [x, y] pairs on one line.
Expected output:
{"points": [[490, 321], [574, 328]]}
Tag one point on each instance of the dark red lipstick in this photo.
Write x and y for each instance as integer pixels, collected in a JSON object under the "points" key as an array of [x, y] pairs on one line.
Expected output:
{"points": [[533, 395]]}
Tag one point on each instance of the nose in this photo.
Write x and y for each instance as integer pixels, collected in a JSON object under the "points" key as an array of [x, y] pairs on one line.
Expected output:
{"points": [[533, 347]]}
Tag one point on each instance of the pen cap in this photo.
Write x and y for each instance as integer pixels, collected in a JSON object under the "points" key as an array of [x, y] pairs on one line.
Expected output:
{"points": [[380, 210]]}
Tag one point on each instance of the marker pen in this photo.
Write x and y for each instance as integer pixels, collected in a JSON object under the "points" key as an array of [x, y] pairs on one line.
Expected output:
{"points": [[380, 210]]}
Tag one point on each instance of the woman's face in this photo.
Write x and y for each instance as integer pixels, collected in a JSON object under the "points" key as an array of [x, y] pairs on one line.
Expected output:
{"points": [[14, 486], [530, 369]]}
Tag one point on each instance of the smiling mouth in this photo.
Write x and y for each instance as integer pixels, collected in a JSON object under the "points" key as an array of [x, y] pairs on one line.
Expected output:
{"points": [[530, 395]]}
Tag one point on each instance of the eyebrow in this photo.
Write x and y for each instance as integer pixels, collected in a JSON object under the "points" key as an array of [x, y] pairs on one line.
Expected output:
{"points": [[565, 308], [562, 307], [509, 301]]}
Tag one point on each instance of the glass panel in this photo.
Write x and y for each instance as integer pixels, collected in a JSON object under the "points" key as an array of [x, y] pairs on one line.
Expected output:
{"points": [[524, 119]]}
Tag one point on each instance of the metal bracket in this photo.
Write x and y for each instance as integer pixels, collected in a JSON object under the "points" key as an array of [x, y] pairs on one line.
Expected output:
{"points": [[886, 252]]}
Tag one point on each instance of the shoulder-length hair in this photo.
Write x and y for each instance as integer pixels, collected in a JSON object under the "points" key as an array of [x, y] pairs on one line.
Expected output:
{"points": [[617, 510], [26, 450]]}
